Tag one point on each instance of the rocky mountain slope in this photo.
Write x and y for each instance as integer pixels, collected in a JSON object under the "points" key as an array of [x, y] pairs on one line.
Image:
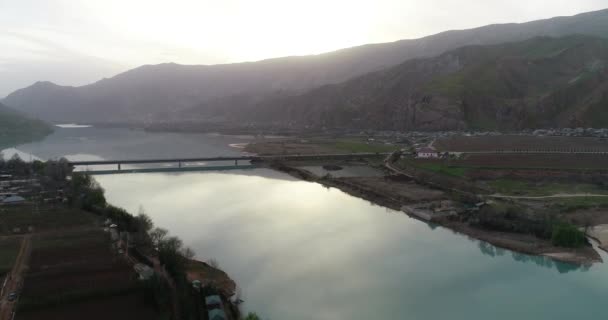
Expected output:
{"points": [[541, 82], [175, 92]]}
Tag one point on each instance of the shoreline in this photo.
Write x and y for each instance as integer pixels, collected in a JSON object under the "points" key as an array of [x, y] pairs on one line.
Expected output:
{"points": [[515, 242]]}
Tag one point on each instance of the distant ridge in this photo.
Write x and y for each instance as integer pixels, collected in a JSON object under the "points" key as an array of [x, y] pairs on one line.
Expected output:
{"points": [[541, 82], [172, 92]]}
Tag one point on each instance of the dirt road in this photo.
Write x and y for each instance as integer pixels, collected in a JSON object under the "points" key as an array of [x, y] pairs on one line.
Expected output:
{"points": [[15, 279]]}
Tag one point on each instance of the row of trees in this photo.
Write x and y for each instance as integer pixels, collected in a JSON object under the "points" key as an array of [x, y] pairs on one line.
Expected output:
{"points": [[513, 218], [53, 170]]}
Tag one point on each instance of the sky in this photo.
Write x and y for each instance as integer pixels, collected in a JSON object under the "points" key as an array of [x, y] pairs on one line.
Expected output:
{"points": [[76, 42]]}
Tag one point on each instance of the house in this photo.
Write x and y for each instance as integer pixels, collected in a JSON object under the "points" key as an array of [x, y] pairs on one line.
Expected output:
{"points": [[427, 153]]}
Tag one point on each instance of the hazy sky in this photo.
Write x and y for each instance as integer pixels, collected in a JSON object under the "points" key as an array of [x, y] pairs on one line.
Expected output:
{"points": [[73, 42]]}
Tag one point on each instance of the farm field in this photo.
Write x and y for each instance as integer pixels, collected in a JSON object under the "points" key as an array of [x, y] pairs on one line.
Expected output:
{"points": [[360, 146], [529, 188], [534, 161], [42, 218], [318, 146], [520, 143], [119, 307], [523, 175], [77, 270], [9, 248]]}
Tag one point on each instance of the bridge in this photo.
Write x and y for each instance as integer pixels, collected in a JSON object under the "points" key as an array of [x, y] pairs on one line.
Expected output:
{"points": [[249, 162]]}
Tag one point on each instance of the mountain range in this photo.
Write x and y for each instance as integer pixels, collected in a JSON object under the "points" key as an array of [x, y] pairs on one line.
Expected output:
{"points": [[541, 82], [427, 83]]}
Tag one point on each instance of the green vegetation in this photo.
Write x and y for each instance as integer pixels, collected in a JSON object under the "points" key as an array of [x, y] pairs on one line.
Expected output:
{"points": [[439, 167], [16, 128], [252, 316], [527, 188], [580, 203], [567, 235], [357, 146], [9, 249]]}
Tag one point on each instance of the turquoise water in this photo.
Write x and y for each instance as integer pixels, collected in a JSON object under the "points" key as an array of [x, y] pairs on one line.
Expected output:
{"points": [[301, 251]]}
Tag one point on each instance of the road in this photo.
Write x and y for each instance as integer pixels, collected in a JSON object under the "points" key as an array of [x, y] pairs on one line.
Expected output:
{"points": [[15, 279]]}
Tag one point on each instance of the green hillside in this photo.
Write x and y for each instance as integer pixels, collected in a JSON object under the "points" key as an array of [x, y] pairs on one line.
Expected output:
{"points": [[16, 128], [541, 82]]}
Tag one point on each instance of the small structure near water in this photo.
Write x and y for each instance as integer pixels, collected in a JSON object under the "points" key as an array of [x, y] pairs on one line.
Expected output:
{"points": [[427, 153], [13, 199], [432, 210]]}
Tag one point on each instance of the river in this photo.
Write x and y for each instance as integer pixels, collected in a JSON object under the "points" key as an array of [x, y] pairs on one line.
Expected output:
{"points": [[302, 251]]}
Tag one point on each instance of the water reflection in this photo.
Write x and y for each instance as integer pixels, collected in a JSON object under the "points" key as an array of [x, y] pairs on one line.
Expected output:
{"points": [[295, 246], [541, 261]]}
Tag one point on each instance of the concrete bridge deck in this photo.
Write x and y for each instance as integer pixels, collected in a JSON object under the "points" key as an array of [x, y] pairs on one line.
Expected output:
{"points": [[341, 156], [182, 162]]}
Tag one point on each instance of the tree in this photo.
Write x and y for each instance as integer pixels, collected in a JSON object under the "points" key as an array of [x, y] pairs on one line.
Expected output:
{"points": [[567, 235], [158, 235], [170, 254], [86, 192], [57, 170], [17, 166], [252, 316], [2, 161], [188, 253], [213, 263], [143, 221]]}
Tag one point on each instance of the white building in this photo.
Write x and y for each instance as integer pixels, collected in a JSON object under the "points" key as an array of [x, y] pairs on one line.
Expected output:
{"points": [[427, 153]]}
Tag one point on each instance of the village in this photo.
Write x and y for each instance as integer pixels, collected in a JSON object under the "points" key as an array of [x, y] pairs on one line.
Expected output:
{"points": [[65, 253]]}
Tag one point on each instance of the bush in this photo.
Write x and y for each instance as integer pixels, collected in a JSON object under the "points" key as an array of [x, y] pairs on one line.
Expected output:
{"points": [[252, 316], [567, 235]]}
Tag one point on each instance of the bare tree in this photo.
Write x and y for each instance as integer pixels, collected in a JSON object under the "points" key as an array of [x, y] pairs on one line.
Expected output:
{"points": [[213, 263], [188, 253], [158, 235], [144, 222]]}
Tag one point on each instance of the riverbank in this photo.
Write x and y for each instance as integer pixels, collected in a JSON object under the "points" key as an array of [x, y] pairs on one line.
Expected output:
{"points": [[389, 192]]}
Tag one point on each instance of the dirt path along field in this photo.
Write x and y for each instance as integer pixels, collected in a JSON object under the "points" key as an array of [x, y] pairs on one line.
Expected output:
{"points": [[15, 279]]}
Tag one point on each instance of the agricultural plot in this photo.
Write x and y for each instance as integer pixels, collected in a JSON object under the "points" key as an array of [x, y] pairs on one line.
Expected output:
{"points": [[9, 248], [120, 307], [534, 161], [78, 270], [521, 143], [42, 218], [529, 188], [524, 175]]}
